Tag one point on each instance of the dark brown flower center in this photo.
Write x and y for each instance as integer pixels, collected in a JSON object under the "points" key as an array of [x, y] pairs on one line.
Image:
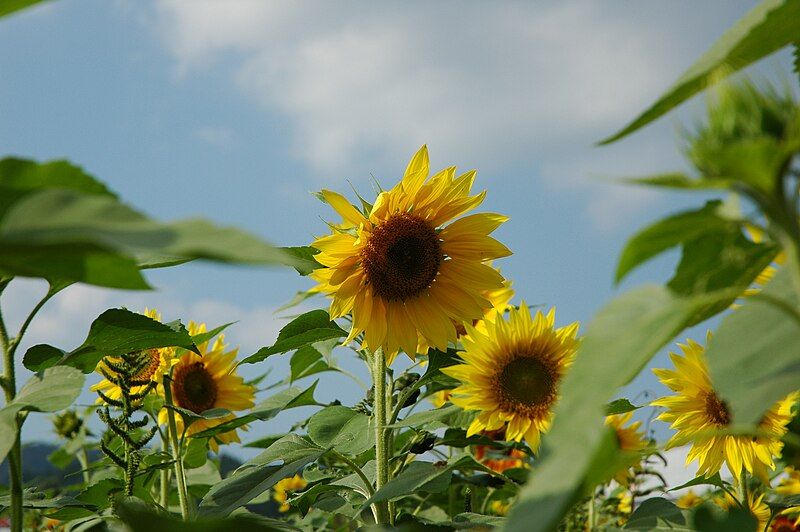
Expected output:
{"points": [[194, 388], [402, 257], [527, 385], [716, 410]]}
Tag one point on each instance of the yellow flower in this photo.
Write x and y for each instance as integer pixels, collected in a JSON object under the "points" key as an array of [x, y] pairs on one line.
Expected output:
{"points": [[405, 276], [755, 504], [790, 484], [499, 507], [625, 505], [282, 487], [689, 500], [160, 361], [440, 398], [511, 373], [200, 383], [696, 412], [630, 439]]}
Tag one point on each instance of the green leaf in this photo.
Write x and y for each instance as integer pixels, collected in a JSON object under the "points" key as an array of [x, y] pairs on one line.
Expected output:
{"points": [[713, 480], [204, 337], [307, 361], [678, 181], [341, 428], [620, 406], [11, 6], [668, 233], [753, 357], [418, 477], [140, 517], [713, 519], [267, 409], [257, 475], [42, 356], [8, 428], [767, 28], [54, 389], [39, 500], [304, 258], [119, 331], [196, 453], [657, 513], [633, 327], [306, 329], [423, 418]]}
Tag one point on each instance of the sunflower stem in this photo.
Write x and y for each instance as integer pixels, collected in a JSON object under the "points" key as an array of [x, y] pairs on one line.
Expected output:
{"points": [[381, 447], [590, 512], [164, 480], [176, 450]]}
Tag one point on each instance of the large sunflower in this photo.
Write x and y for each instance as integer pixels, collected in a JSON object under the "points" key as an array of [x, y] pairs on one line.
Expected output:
{"points": [[406, 277], [200, 383], [512, 371], [160, 360], [696, 412]]}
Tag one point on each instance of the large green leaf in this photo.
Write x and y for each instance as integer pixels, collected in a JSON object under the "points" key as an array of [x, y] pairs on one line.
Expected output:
{"points": [[306, 329], [54, 389], [10, 6], [267, 409], [658, 514], [8, 428], [754, 356], [341, 428], [258, 475], [767, 28], [621, 339], [118, 331]]}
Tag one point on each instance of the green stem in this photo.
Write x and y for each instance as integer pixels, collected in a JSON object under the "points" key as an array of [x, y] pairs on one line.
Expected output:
{"points": [[389, 437], [176, 450], [590, 508], [164, 483], [83, 459], [15, 456], [381, 450], [360, 472]]}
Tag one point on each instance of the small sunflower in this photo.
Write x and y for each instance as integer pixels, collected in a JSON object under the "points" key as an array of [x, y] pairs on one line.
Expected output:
{"points": [[282, 489], [160, 361], [630, 438], [696, 411], [511, 373], [783, 523], [499, 508], [405, 276], [200, 383], [755, 505], [689, 500]]}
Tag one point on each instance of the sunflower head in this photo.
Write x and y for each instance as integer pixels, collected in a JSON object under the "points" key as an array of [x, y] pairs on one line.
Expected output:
{"points": [[511, 373], [407, 276], [499, 460], [630, 439], [754, 504], [689, 500], [697, 412], [158, 362], [206, 381]]}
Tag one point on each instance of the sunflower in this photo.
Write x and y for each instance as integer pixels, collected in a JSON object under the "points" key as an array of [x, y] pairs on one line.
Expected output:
{"points": [[755, 505], [440, 398], [790, 484], [630, 438], [689, 500], [160, 360], [499, 508], [696, 412], [200, 383], [282, 489], [783, 523], [496, 459], [405, 276], [757, 236], [511, 373]]}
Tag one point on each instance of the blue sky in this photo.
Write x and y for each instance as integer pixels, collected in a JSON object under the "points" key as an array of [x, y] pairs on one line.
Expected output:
{"points": [[236, 110]]}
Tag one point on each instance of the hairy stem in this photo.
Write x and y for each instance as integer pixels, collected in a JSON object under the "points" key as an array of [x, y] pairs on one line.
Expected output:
{"points": [[15, 456], [83, 459], [164, 480], [381, 450], [176, 450]]}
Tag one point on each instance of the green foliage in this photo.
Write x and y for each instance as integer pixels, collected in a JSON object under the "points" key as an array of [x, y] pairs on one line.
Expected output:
{"points": [[11, 6], [257, 475], [341, 428], [768, 27], [305, 330], [658, 514]]}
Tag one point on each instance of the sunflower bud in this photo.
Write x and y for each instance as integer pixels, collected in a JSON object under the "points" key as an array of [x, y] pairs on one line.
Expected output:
{"points": [[67, 424]]}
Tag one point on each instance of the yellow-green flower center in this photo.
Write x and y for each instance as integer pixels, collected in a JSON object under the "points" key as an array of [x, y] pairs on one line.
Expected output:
{"points": [[194, 388], [402, 257], [527, 385]]}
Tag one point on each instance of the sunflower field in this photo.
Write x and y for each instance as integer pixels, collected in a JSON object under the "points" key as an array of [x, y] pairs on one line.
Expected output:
{"points": [[483, 411]]}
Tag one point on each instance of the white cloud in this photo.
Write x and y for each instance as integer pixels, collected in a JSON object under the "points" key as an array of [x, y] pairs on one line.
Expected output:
{"points": [[218, 137], [490, 85]]}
